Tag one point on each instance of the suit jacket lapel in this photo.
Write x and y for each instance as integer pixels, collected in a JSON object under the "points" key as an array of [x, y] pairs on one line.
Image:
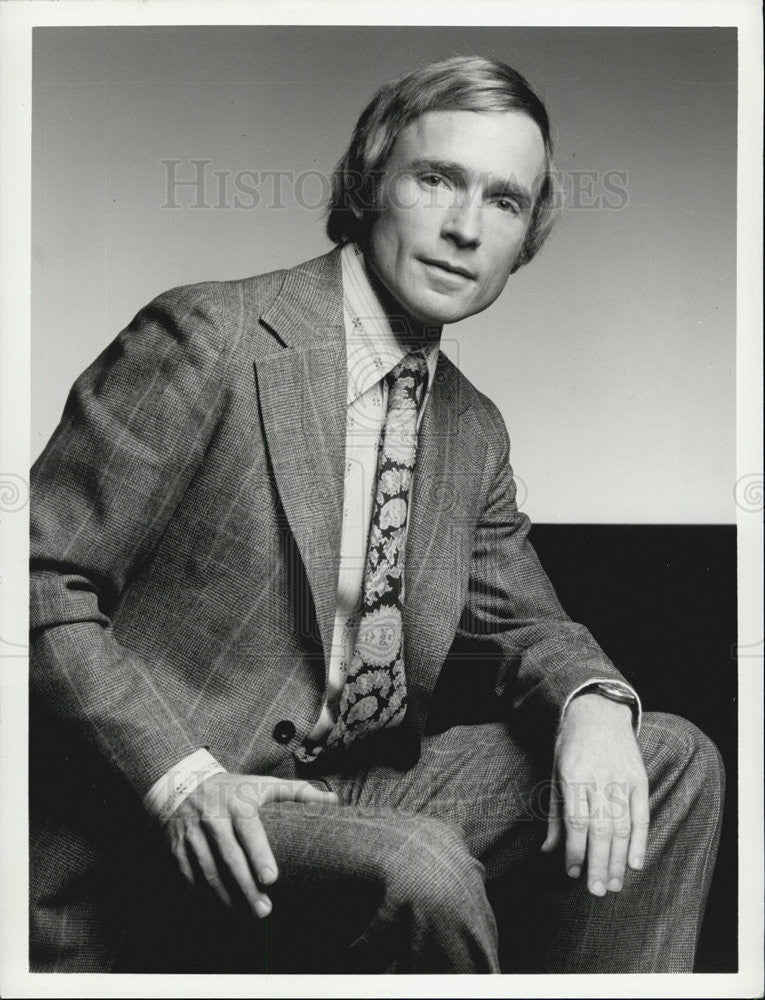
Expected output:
{"points": [[451, 454], [302, 388]]}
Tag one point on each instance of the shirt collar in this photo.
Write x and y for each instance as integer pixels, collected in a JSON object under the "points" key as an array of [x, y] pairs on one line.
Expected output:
{"points": [[372, 348]]}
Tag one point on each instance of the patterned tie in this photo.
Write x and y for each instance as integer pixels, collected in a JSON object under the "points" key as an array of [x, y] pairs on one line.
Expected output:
{"points": [[374, 694]]}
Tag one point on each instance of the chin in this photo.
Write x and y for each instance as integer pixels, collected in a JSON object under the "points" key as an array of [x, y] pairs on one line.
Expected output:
{"points": [[438, 313], [446, 317]]}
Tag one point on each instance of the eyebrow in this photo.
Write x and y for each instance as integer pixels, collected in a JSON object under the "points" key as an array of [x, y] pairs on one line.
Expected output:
{"points": [[498, 186]]}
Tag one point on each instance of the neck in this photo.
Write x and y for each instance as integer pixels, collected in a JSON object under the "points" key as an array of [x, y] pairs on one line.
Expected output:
{"points": [[409, 332]]}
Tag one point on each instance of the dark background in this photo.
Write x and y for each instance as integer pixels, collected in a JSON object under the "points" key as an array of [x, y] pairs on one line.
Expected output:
{"points": [[661, 601]]}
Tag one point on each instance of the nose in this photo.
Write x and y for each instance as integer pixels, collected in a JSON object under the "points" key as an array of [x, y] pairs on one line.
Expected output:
{"points": [[462, 223]]}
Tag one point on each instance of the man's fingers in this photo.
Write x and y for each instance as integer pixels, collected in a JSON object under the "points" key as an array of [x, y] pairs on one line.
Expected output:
{"points": [[576, 818], [218, 838], [233, 860], [554, 820], [639, 814], [599, 836], [254, 842], [203, 862], [620, 834], [179, 852], [294, 791]]}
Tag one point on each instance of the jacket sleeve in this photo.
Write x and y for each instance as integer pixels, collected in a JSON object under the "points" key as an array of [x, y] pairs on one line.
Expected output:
{"points": [[513, 615], [134, 430]]}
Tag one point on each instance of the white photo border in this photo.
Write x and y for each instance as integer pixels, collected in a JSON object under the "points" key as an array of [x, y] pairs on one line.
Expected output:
{"points": [[16, 22]]}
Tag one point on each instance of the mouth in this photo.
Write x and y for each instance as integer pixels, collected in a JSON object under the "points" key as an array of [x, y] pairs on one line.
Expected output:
{"points": [[444, 265]]}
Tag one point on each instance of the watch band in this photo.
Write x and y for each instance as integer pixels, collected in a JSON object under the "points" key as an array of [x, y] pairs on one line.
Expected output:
{"points": [[614, 692]]}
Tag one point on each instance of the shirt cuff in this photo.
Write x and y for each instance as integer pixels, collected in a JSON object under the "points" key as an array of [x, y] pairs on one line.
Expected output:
{"points": [[167, 793], [637, 711]]}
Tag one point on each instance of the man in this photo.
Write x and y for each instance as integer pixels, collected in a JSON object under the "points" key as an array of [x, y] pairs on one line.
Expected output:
{"points": [[272, 514]]}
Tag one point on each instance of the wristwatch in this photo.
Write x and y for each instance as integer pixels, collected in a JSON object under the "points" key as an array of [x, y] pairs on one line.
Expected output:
{"points": [[614, 692]]}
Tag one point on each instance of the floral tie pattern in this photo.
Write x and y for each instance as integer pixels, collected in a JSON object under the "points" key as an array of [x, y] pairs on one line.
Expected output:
{"points": [[374, 694]]}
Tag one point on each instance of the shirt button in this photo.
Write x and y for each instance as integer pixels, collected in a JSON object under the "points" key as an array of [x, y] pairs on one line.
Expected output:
{"points": [[284, 731]]}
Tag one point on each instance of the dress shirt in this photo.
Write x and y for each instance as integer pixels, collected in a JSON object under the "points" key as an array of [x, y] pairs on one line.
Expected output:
{"points": [[372, 351]]}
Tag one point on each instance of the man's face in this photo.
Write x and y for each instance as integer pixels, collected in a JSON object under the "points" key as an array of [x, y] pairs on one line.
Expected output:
{"points": [[456, 200]]}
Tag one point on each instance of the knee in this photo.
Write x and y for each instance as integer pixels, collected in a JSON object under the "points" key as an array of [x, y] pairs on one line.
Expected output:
{"points": [[678, 753], [435, 876]]}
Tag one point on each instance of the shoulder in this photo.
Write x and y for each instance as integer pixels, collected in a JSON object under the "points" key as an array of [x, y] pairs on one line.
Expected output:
{"points": [[230, 312], [213, 306]]}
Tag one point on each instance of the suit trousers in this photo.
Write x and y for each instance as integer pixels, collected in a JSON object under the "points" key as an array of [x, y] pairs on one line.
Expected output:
{"points": [[438, 869]]}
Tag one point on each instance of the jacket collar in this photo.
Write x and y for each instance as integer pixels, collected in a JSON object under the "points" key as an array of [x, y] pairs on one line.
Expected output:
{"points": [[309, 306]]}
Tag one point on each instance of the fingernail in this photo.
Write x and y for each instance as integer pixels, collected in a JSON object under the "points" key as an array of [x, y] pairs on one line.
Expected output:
{"points": [[597, 888], [575, 871], [636, 862], [262, 908], [267, 876], [615, 884]]}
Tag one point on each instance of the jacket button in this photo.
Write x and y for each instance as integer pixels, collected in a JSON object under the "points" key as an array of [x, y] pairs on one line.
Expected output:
{"points": [[284, 731]]}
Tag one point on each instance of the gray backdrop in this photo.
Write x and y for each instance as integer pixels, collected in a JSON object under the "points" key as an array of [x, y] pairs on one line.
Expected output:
{"points": [[612, 356]]}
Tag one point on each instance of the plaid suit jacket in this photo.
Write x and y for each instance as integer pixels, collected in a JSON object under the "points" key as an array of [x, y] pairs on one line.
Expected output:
{"points": [[185, 536]]}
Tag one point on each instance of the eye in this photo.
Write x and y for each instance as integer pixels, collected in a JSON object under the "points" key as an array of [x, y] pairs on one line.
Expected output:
{"points": [[507, 205], [431, 180]]}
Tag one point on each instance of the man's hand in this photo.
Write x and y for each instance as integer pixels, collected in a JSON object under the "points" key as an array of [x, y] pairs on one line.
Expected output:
{"points": [[599, 799], [217, 837]]}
